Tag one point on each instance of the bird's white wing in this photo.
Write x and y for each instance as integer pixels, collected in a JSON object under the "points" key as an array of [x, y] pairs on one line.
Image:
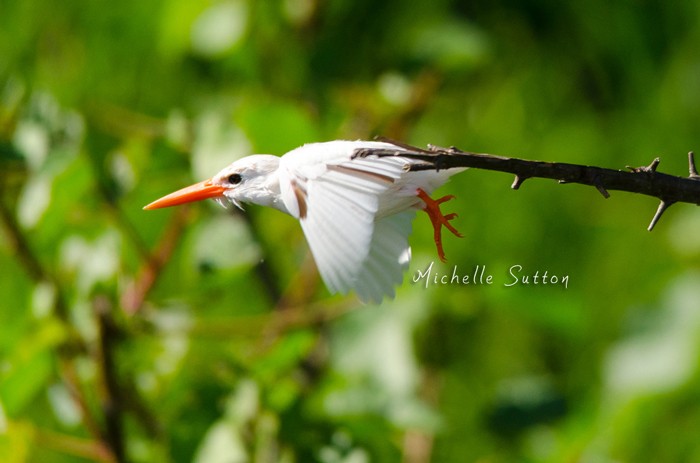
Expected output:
{"points": [[337, 203], [388, 258]]}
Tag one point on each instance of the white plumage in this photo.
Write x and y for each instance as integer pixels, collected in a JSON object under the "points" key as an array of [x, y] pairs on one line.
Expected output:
{"points": [[356, 213]]}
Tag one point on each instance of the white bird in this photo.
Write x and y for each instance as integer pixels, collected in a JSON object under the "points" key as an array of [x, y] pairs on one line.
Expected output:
{"points": [[356, 211]]}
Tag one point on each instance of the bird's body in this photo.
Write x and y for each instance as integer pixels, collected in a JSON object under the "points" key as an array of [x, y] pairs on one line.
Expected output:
{"points": [[356, 212]]}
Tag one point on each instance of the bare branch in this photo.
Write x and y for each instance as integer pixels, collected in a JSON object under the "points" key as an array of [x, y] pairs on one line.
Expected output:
{"points": [[645, 180]]}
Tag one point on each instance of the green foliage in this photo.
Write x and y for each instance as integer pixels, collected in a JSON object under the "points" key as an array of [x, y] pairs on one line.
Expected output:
{"points": [[200, 335]]}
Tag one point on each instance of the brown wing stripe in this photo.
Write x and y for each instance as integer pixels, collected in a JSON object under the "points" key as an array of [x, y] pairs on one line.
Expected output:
{"points": [[352, 170], [300, 195]]}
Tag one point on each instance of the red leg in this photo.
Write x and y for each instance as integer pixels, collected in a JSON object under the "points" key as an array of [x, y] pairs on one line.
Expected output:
{"points": [[432, 208]]}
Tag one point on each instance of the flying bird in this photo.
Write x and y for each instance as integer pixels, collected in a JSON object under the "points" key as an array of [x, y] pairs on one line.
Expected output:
{"points": [[355, 208]]}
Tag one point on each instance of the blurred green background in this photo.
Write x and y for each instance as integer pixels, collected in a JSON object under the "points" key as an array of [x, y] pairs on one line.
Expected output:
{"points": [[196, 334]]}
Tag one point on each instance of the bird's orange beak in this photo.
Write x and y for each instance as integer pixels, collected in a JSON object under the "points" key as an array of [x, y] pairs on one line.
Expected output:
{"points": [[196, 192]]}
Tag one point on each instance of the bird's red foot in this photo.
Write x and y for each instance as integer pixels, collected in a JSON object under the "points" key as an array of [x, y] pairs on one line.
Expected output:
{"points": [[432, 208]]}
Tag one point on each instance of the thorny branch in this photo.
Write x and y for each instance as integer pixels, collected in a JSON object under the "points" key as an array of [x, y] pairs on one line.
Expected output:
{"points": [[645, 180]]}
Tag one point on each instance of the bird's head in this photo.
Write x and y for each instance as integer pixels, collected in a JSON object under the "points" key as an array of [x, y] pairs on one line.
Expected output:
{"points": [[250, 179]]}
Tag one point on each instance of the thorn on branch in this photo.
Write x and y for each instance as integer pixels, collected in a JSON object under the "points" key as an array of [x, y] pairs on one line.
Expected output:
{"points": [[518, 181], [602, 190], [598, 186], [442, 150], [663, 205], [691, 167], [654, 164], [650, 168]]}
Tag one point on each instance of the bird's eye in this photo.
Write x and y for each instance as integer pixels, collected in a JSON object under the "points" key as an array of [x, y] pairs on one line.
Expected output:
{"points": [[234, 179]]}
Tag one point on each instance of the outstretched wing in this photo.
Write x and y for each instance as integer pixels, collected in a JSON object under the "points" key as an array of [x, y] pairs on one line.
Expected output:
{"points": [[337, 201], [388, 258]]}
